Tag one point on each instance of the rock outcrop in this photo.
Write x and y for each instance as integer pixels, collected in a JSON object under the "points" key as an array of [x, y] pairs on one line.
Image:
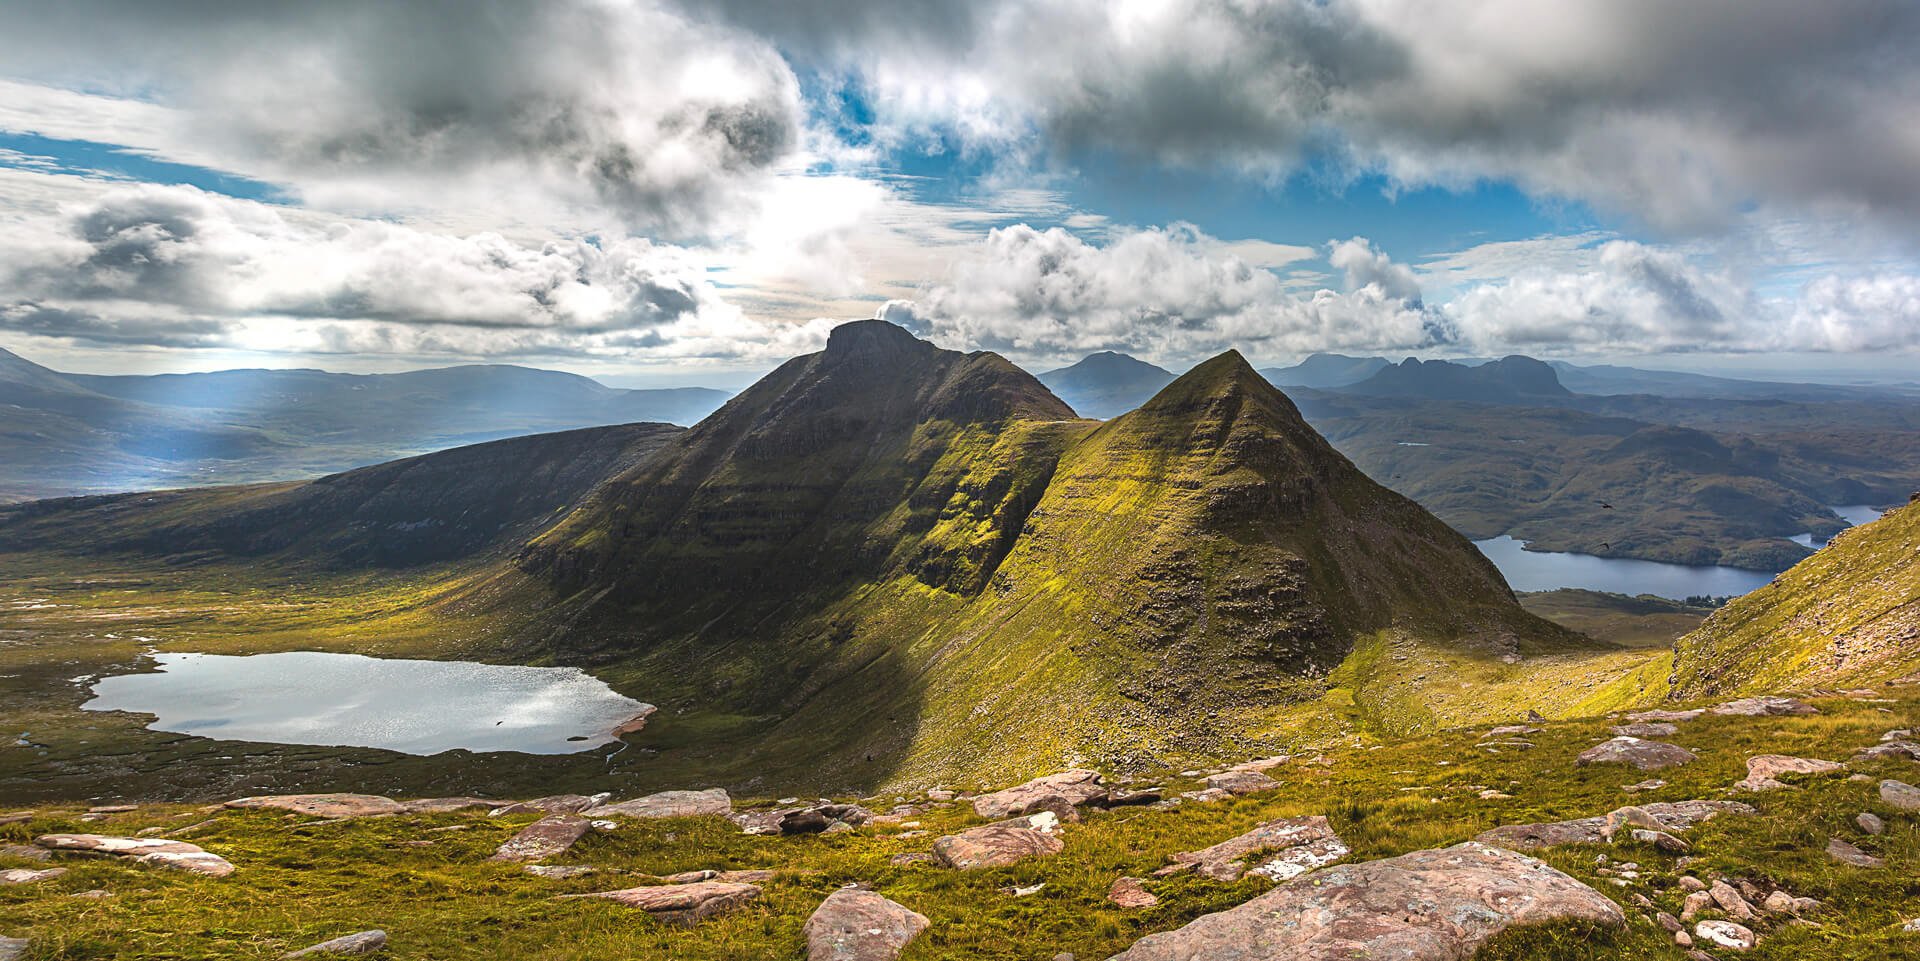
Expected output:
{"points": [[682, 903], [1438, 905], [999, 844], [858, 925], [1076, 786], [1763, 770], [551, 836], [178, 855], [363, 942], [1301, 844], [330, 806], [669, 804], [1674, 816], [1642, 754]]}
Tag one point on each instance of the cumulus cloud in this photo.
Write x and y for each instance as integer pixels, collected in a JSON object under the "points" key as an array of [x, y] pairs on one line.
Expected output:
{"points": [[1866, 313], [1680, 114], [1172, 293], [669, 121], [179, 266]]}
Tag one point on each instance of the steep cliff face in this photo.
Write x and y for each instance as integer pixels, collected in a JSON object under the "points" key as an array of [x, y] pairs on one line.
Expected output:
{"points": [[905, 561]]}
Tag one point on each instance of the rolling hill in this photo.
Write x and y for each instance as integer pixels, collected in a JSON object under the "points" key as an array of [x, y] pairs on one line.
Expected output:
{"points": [[1325, 371]]}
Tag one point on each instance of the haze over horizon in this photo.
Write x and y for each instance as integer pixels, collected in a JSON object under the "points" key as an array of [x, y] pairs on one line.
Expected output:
{"points": [[659, 193]]}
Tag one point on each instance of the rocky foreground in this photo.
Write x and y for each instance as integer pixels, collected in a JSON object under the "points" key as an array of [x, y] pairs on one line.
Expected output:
{"points": [[1709, 832]]}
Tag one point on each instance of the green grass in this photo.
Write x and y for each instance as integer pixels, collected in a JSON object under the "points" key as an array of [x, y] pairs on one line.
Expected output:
{"points": [[298, 884]]}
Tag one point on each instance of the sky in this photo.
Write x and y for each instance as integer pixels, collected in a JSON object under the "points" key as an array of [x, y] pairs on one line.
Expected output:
{"points": [[677, 192]]}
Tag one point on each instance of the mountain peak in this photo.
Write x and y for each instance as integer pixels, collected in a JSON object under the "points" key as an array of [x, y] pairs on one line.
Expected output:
{"points": [[1223, 375], [873, 341]]}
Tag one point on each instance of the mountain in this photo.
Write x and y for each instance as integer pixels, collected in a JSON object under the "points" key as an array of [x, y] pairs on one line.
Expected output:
{"points": [[68, 434], [452, 505], [1509, 380], [1847, 616], [1607, 379], [1325, 371], [912, 563], [1106, 384]]}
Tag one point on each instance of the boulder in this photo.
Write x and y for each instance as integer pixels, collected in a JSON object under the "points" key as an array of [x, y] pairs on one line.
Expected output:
{"points": [[1626, 819], [1891, 751], [1846, 853], [1512, 730], [13, 949], [558, 872], [1763, 770], [1301, 843], [1077, 786], [669, 804], [330, 806], [1241, 782], [856, 925], [1901, 796], [364, 942], [682, 903], [1870, 823], [178, 855], [553, 804], [1674, 816], [1663, 715], [1725, 934], [1644, 755], [1437, 905], [28, 875], [999, 844], [1646, 729], [1212, 795], [25, 852], [801, 820], [1763, 706], [1131, 894], [551, 836], [1731, 900]]}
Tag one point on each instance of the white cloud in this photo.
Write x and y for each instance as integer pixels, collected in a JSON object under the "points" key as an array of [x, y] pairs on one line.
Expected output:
{"points": [[1878, 312], [1173, 294]]}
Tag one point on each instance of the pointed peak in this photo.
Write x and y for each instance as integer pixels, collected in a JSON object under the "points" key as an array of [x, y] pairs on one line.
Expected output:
{"points": [[873, 340], [1223, 375]]}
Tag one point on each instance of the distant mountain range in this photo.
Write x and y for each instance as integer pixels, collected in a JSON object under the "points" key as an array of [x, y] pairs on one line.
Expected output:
{"points": [[1509, 380], [1326, 371], [77, 433], [1106, 384]]}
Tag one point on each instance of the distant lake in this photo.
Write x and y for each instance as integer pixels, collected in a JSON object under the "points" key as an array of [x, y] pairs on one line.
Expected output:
{"points": [[1546, 571], [346, 700], [1854, 514]]}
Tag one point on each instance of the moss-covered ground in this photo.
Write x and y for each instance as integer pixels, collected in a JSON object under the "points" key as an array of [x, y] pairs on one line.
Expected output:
{"points": [[300, 882]]}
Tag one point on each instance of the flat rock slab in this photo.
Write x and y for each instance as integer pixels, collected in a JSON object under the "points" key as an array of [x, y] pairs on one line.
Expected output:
{"points": [[1647, 729], [1302, 843], [800, 820], [669, 804], [1241, 782], [13, 949], [1673, 816], [1663, 715], [1076, 786], [178, 855], [1763, 770], [1764, 706], [28, 875], [1642, 754], [553, 804], [999, 844], [26, 852], [856, 925], [451, 805], [551, 836], [682, 903], [1901, 795], [1891, 751], [364, 942], [1438, 905], [322, 805], [1846, 852], [1131, 893]]}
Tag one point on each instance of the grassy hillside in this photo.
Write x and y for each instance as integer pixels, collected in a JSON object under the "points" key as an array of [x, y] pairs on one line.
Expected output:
{"points": [[301, 880], [1850, 614]]}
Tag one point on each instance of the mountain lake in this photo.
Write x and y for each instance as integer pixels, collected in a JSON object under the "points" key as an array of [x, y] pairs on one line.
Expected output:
{"points": [[348, 700]]}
